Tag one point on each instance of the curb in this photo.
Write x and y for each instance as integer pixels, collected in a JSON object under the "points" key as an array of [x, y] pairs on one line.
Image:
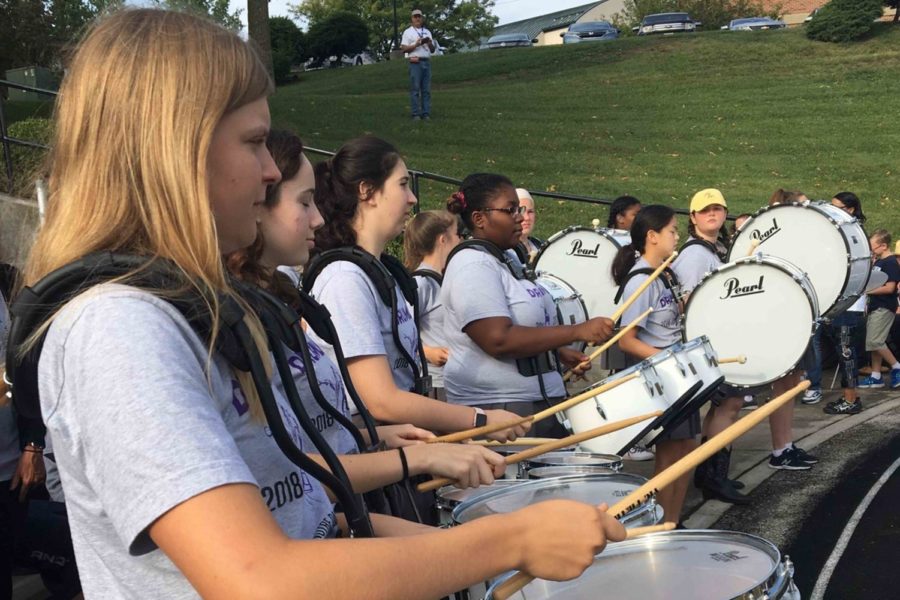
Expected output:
{"points": [[710, 511]]}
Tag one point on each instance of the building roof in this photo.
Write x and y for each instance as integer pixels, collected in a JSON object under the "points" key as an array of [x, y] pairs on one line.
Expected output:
{"points": [[790, 7], [535, 25]]}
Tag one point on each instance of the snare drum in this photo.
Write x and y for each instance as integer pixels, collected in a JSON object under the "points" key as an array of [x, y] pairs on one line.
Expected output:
{"points": [[449, 497], [516, 471], [590, 489], [677, 565], [570, 308], [583, 257], [610, 462], [664, 382], [761, 307], [822, 241]]}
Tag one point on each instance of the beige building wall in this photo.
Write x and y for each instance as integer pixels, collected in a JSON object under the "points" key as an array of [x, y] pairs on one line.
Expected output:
{"points": [[604, 12], [551, 37]]}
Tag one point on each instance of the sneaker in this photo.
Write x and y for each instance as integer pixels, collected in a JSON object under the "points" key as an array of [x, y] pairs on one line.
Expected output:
{"points": [[811, 396], [805, 456], [750, 403], [842, 407], [895, 378], [788, 461], [416, 118], [639, 453], [870, 382], [426, 118]]}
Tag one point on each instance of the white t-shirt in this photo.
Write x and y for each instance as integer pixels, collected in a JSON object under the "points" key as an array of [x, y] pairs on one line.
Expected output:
{"points": [[660, 328], [142, 421], [477, 286], [411, 35], [692, 264], [363, 321], [431, 319]]}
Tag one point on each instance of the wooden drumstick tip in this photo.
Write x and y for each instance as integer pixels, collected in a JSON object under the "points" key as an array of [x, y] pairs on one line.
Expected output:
{"points": [[596, 222], [740, 359]]}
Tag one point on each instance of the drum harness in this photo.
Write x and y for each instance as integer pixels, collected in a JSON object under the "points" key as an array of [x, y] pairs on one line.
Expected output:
{"points": [[385, 274], [545, 362], [35, 304]]}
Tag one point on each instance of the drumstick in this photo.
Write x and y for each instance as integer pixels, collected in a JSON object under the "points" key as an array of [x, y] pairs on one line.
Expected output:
{"points": [[639, 531], [754, 244], [667, 477], [595, 223], [646, 283], [608, 343], [741, 359], [551, 446], [522, 441], [480, 431]]}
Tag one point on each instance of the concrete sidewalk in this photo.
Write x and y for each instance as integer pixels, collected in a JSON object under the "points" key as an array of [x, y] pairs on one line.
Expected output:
{"points": [[750, 454]]}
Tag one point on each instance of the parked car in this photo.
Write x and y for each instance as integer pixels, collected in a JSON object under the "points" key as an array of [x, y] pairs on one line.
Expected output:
{"points": [[508, 40], [666, 23], [589, 31], [754, 24]]}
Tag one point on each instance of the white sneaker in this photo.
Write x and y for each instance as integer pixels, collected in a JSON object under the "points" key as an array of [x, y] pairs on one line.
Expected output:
{"points": [[639, 453]]}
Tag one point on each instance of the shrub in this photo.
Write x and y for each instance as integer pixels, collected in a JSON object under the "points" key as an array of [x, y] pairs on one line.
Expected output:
{"points": [[27, 162], [844, 20]]}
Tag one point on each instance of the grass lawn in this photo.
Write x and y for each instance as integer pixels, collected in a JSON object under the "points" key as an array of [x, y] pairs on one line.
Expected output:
{"points": [[659, 118]]}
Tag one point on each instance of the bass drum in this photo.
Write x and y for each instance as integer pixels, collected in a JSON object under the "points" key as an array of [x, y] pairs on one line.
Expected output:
{"points": [[824, 242], [570, 308], [583, 257], [761, 307]]}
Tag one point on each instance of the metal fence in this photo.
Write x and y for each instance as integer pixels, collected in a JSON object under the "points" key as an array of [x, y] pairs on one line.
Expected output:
{"points": [[416, 175], [5, 138]]}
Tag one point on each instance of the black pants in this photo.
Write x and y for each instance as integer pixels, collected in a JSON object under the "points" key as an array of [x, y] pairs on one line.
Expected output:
{"points": [[12, 520]]}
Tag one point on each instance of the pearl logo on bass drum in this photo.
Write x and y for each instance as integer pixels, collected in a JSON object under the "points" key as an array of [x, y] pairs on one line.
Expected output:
{"points": [[734, 289], [762, 235], [579, 250]]}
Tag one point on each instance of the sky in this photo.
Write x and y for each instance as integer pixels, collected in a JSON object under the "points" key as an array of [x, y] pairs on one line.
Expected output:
{"points": [[508, 11]]}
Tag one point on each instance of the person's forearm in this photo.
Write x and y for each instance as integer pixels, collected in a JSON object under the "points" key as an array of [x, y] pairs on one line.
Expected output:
{"points": [[517, 341], [375, 470], [388, 526], [405, 407], [400, 567], [632, 346]]}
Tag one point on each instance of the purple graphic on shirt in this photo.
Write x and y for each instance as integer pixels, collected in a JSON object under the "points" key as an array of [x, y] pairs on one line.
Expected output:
{"points": [[291, 424], [237, 398], [403, 314]]}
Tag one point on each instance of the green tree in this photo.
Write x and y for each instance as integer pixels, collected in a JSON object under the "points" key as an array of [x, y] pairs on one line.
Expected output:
{"points": [[288, 46], [844, 20], [454, 24], [711, 13], [339, 34], [217, 10]]}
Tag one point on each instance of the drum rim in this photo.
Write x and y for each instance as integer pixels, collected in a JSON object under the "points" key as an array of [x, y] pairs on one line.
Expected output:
{"points": [[815, 206], [552, 482], [775, 581], [588, 470], [759, 258], [501, 483], [536, 460]]}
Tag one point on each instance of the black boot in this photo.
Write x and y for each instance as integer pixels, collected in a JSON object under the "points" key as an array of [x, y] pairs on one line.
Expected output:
{"points": [[718, 486], [738, 485], [703, 472]]}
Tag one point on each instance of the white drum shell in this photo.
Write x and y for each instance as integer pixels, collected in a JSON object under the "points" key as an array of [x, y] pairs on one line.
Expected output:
{"points": [[824, 242], [570, 459], [583, 257], [570, 308], [677, 565], [770, 326]]}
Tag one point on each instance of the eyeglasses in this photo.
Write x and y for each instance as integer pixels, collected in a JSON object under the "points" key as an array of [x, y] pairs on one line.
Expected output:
{"points": [[511, 211]]}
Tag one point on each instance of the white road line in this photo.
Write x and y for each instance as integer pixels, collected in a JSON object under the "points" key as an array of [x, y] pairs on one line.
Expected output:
{"points": [[828, 570]]}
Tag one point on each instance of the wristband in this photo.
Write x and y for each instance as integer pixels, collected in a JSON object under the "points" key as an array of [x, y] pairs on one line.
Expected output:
{"points": [[403, 464]]}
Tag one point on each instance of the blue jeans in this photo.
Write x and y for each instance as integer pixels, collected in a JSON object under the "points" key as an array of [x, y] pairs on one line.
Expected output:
{"points": [[842, 332], [420, 88]]}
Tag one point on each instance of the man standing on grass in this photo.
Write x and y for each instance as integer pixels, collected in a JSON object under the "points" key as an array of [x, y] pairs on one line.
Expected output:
{"points": [[418, 45]]}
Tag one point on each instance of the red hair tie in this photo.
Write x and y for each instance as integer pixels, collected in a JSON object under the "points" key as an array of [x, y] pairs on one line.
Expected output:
{"points": [[461, 197]]}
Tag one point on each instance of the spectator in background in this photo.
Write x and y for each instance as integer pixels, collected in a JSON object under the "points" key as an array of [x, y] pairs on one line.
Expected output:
{"points": [[622, 212], [418, 44], [528, 243], [882, 310]]}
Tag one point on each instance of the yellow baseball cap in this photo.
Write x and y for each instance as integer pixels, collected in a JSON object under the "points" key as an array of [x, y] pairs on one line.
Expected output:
{"points": [[707, 197]]}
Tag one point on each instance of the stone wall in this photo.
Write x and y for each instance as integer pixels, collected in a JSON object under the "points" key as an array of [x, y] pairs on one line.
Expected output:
{"points": [[18, 224]]}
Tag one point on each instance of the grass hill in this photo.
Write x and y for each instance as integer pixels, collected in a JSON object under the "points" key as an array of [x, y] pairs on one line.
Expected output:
{"points": [[659, 118]]}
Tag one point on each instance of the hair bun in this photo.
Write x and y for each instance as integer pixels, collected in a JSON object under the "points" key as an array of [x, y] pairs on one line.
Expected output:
{"points": [[457, 203]]}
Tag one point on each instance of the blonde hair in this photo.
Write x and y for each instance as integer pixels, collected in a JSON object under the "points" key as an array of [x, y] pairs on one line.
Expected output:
{"points": [[128, 171], [421, 235]]}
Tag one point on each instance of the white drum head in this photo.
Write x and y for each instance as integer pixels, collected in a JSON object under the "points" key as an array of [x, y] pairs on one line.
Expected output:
{"points": [[820, 240], [761, 308], [583, 258]]}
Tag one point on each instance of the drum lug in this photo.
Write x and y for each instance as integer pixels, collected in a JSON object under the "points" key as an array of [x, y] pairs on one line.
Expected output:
{"points": [[600, 411]]}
